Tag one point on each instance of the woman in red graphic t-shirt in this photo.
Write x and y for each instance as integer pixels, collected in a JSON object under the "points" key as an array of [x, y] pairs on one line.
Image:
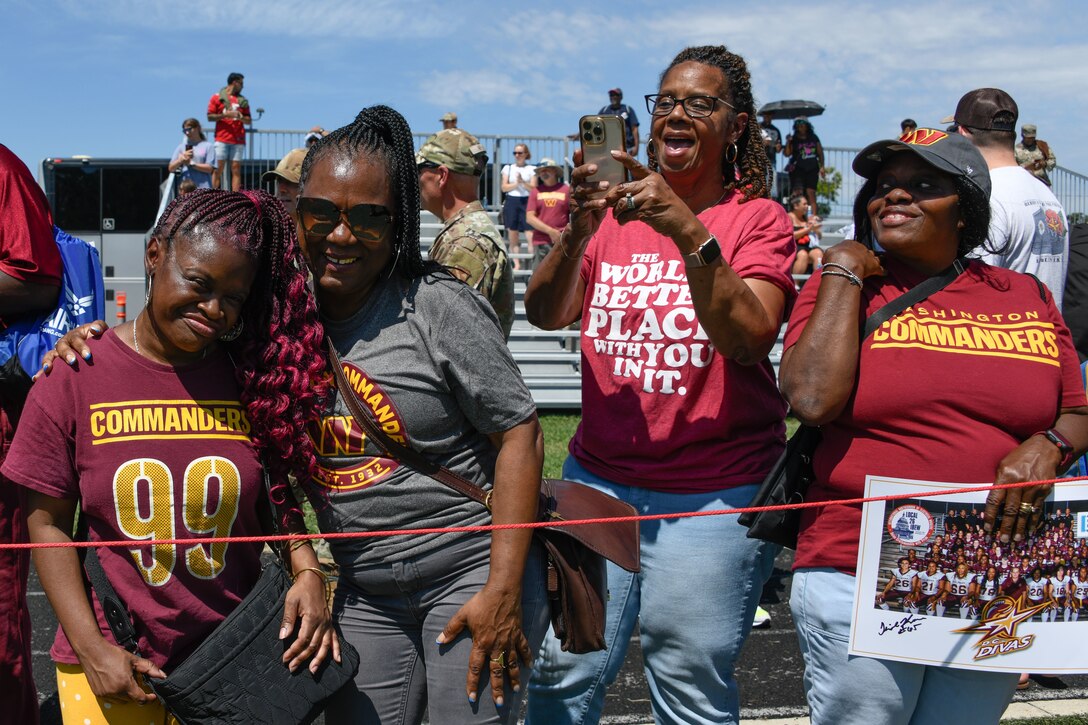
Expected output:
{"points": [[907, 402], [153, 441], [681, 279]]}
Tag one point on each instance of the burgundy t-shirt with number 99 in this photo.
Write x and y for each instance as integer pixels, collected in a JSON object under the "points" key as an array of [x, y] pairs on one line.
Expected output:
{"points": [[152, 452]]}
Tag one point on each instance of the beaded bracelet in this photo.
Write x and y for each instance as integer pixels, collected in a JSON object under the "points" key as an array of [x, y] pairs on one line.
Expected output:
{"points": [[854, 279]]}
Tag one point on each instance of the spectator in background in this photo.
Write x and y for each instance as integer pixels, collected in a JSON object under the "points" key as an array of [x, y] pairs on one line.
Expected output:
{"points": [[1075, 308], [449, 120], [194, 158], [616, 107], [316, 134], [187, 186], [1034, 154], [549, 209], [772, 144], [1028, 229], [286, 175], [230, 111], [907, 125], [806, 156], [806, 230], [517, 179], [450, 164], [30, 277]]}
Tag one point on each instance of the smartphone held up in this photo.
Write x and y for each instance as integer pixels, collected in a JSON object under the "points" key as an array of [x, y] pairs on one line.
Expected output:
{"points": [[600, 135]]}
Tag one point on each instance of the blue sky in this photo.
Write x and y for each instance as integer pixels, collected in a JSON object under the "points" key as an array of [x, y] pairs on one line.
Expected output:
{"points": [[116, 78]]}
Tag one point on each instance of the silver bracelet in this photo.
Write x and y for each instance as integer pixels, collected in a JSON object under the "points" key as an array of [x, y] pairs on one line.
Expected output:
{"points": [[854, 279]]}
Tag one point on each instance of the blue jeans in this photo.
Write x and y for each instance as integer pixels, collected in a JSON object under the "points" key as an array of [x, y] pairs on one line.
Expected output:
{"points": [[694, 599], [865, 690]]}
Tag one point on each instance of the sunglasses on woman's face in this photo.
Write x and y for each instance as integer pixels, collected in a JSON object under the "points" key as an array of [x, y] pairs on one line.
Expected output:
{"points": [[319, 217]]}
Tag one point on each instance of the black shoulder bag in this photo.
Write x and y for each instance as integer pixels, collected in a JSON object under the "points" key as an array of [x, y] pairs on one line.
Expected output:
{"points": [[791, 476], [236, 674], [577, 586]]}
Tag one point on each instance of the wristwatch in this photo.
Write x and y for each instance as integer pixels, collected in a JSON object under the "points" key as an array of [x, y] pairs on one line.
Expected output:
{"points": [[1063, 445], [707, 252]]}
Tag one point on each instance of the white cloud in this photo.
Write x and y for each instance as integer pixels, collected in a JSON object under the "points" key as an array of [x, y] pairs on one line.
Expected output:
{"points": [[292, 18]]}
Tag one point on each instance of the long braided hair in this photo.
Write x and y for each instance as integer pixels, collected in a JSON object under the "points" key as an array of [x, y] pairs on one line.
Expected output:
{"points": [[751, 160], [381, 132], [279, 359]]}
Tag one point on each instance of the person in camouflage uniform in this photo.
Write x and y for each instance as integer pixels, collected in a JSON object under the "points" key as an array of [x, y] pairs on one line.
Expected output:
{"points": [[450, 163], [1035, 155]]}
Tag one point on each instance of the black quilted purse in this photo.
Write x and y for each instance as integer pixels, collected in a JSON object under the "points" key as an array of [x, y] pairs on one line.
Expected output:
{"points": [[236, 675]]}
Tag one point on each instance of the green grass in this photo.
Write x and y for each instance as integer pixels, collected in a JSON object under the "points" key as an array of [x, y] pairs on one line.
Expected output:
{"points": [[558, 429]]}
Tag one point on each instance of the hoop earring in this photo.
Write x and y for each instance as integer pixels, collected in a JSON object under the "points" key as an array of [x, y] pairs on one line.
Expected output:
{"points": [[393, 266], [233, 333], [147, 292], [732, 147]]}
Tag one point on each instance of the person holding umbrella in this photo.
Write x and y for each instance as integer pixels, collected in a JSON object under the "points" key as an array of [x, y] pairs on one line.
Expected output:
{"points": [[806, 155]]}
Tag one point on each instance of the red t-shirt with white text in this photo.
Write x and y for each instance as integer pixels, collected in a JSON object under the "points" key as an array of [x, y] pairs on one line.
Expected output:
{"points": [[230, 130], [152, 452], [943, 392], [661, 408]]}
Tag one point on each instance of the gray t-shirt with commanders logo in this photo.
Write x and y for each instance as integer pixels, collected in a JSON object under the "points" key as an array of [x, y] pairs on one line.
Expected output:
{"points": [[428, 358]]}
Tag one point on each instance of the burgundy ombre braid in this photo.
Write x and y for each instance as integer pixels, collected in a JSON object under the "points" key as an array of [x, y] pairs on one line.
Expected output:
{"points": [[279, 358]]}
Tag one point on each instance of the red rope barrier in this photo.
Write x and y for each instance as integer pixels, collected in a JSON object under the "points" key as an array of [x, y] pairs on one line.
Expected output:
{"points": [[130, 543]]}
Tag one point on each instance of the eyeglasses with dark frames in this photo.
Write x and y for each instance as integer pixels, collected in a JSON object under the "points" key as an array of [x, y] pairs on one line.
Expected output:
{"points": [[190, 128], [695, 106], [520, 153], [320, 217]]}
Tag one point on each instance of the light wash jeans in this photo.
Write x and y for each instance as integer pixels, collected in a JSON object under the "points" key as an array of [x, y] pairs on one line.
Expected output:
{"points": [[842, 690], [392, 613], [694, 599]]}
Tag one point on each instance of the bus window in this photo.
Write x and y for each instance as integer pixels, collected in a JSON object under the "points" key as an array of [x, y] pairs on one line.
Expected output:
{"points": [[130, 196], [77, 197]]}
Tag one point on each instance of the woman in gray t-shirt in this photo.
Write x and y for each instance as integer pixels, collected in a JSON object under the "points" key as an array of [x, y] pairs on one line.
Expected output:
{"points": [[425, 354]]}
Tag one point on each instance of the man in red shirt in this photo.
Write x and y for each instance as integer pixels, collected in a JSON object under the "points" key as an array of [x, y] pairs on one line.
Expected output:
{"points": [[30, 276], [230, 111]]}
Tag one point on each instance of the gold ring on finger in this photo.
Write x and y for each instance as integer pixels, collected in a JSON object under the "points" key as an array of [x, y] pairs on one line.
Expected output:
{"points": [[500, 660]]}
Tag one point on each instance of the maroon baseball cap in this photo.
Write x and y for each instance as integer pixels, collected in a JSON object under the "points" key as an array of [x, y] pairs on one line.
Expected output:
{"points": [[948, 152], [978, 108], [615, 92]]}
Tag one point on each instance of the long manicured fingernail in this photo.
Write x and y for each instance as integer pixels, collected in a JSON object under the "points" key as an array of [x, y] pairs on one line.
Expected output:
{"points": [[1004, 538], [46, 367], [498, 702], [441, 639], [517, 688], [472, 697], [71, 360], [87, 355], [283, 632], [96, 329], [615, 153]]}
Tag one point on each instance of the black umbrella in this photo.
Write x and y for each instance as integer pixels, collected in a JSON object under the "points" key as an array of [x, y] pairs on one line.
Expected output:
{"points": [[791, 109]]}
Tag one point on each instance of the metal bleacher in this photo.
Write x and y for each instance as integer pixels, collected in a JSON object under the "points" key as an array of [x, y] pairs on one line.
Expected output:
{"points": [[550, 360]]}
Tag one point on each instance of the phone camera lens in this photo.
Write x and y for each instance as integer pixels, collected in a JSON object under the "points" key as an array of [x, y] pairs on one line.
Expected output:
{"points": [[587, 136], [587, 125]]}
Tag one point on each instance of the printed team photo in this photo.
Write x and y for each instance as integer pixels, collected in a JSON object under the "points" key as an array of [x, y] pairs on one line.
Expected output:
{"points": [[929, 574]]}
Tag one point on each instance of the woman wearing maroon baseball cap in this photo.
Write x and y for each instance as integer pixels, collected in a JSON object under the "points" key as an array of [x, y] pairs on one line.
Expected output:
{"points": [[937, 392]]}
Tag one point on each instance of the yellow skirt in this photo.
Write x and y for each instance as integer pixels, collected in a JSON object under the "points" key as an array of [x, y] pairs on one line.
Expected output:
{"points": [[80, 706]]}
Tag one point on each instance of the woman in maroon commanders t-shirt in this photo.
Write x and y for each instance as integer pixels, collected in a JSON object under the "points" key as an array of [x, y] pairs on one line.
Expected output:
{"points": [[972, 384], [151, 440]]}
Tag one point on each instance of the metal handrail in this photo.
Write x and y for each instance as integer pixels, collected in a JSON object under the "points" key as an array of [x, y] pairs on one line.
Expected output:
{"points": [[269, 145]]}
